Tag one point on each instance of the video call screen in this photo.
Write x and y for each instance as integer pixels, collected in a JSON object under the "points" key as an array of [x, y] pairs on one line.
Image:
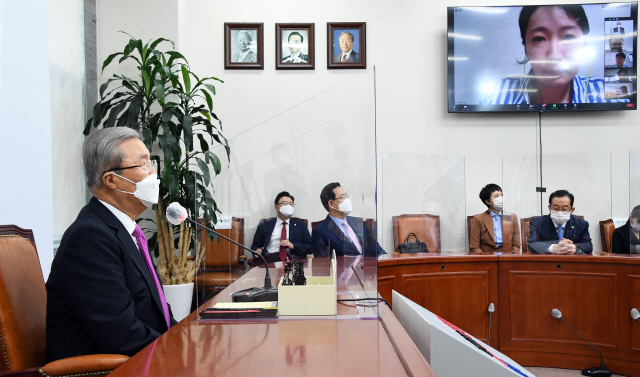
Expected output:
{"points": [[542, 58]]}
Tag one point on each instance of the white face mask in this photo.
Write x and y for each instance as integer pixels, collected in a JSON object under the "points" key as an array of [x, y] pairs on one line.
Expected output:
{"points": [[560, 217], [345, 207], [147, 190], [497, 203], [287, 210]]}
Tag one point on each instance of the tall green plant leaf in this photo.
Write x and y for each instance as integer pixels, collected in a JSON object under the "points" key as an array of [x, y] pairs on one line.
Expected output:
{"points": [[187, 124], [187, 79]]}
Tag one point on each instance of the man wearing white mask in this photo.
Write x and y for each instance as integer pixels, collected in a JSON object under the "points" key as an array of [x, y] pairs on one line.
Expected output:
{"points": [[103, 293], [283, 232], [559, 232], [345, 234]]}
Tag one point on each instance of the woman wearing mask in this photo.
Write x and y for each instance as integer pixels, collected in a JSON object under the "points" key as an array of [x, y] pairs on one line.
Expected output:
{"points": [[626, 239], [554, 46], [492, 231]]}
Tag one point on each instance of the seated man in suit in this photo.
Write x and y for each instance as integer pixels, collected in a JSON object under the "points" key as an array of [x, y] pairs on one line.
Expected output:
{"points": [[103, 293], [344, 234], [274, 236], [559, 232]]}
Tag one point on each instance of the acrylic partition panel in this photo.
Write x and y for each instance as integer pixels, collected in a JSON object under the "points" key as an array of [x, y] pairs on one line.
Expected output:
{"points": [[586, 175], [634, 201], [327, 138], [425, 195]]}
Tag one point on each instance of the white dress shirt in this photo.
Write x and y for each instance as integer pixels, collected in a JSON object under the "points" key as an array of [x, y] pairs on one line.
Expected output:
{"points": [[274, 243], [126, 221]]}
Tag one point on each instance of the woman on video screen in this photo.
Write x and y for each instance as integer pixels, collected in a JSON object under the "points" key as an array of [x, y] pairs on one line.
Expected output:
{"points": [[552, 37]]}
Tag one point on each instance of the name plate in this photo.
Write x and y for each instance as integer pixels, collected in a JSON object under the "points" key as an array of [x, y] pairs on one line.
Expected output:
{"points": [[224, 222]]}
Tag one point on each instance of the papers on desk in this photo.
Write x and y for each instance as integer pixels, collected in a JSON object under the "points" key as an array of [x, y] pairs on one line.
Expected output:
{"points": [[231, 310]]}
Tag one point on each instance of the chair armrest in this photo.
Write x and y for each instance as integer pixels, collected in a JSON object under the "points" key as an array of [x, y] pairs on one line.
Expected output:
{"points": [[99, 365], [31, 372], [243, 258]]}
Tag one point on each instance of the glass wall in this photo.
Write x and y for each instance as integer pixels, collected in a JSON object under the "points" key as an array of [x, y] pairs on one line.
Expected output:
{"points": [[619, 243], [424, 195], [586, 175], [329, 138]]}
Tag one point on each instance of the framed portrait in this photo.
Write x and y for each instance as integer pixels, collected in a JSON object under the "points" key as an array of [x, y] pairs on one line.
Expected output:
{"points": [[295, 46], [243, 46], [346, 45]]}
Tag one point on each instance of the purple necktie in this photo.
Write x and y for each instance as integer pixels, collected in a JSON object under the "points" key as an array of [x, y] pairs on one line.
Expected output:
{"points": [[352, 235], [144, 250]]}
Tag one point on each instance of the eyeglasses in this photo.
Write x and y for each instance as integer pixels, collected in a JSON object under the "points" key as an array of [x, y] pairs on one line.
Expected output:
{"points": [[563, 208], [285, 203], [343, 197], [149, 166]]}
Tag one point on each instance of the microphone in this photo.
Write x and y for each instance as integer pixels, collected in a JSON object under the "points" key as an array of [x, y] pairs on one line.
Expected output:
{"points": [[177, 214], [635, 314], [491, 309], [601, 371]]}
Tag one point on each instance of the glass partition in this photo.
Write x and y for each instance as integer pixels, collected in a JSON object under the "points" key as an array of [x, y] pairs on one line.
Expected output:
{"points": [[633, 244], [528, 181], [327, 138], [423, 195]]}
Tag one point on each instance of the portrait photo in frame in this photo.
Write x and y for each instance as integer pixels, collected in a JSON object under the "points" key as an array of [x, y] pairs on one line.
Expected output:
{"points": [[295, 48], [243, 46], [346, 45]]}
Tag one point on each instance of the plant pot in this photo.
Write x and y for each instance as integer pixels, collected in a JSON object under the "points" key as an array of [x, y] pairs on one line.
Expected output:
{"points": [[179, 296]]}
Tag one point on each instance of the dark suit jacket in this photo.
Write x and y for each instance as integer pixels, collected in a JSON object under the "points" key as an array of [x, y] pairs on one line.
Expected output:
{"points": [[289, 59], [101, 297], [354, 57], [298, 235], [542, 234], [623, 239], [482, 240], [327, 233]]}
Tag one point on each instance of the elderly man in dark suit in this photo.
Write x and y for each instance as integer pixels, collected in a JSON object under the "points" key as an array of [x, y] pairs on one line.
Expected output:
{"points": [[103, 293], [345, 234], [274, 236], [559, 232], [346, 45]]}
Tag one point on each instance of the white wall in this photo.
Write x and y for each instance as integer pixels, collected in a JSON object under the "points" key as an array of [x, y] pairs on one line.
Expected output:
{"points": [[411, 92], [26, 192], [66, 73]]}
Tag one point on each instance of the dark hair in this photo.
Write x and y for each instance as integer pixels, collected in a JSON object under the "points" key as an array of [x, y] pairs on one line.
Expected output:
{"points": [[626, 90], [635, 212], [282, 195], [561, 194], [574, 11], [328, 194], [621, 55], [485, 193], [295, 33]]}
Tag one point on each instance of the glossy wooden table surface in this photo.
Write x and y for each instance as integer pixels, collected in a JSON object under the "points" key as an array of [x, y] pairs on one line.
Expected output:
{"points": [[323, 346], [594, 293]]}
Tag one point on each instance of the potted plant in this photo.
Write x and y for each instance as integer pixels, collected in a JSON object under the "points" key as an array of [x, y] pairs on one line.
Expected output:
{"points": [[171, 107]]}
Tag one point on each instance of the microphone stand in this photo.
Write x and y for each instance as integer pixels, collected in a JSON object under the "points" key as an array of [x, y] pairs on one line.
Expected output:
{"points": [[266, 293], [601, 371]]}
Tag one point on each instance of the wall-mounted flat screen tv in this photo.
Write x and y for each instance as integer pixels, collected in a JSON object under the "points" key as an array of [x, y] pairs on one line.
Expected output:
{"points": [[542, 57]]}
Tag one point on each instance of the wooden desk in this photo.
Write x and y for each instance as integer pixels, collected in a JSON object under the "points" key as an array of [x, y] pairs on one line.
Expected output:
{"points": [[277, 347], [594, 293]]}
